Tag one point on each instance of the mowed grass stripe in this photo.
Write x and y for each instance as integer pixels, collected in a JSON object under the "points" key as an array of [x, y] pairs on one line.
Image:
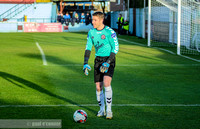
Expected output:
{"points": [[114, 105]]}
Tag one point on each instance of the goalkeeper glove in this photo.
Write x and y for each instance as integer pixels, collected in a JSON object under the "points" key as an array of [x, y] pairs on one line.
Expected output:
{"points": [[86, 67], [104, 67]]}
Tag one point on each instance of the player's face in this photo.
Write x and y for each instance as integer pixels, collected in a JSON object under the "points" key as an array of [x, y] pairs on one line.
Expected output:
{"points": [[96, 21]]}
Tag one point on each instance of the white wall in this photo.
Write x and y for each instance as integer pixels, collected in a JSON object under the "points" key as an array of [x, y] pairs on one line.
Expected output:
{"points": [[5, 7], [40, 12], [10, 27]]}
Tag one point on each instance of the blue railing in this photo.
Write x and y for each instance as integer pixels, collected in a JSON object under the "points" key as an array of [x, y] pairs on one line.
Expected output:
{"points": [[14, 11]]}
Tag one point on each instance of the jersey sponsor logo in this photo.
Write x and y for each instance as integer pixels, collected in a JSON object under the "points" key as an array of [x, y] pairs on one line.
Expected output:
{"points": [[113, 35], [98, 46], [103, 36]]}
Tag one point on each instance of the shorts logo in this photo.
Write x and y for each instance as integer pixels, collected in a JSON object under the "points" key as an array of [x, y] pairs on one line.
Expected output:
{"points": [[103, 36], [113, 35], [92, 37]]}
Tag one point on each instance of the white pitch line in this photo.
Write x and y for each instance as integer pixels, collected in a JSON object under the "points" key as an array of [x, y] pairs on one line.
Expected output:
{"points": [[115, 105], [132, 65], [146, 46], [190, 58], [160, 49], [165, 50], [42, 53], [132, 42]]}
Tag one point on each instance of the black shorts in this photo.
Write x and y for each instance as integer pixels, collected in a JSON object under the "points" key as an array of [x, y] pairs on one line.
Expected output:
{"points": [[98, 76]]}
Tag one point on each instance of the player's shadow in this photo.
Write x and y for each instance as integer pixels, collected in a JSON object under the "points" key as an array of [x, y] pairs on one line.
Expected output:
{"points": [[20, 82], [54, 60]]}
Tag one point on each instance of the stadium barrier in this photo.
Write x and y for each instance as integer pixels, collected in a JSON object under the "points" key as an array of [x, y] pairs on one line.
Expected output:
{"points": [[41, 25], [30, 27], [37, 20]]}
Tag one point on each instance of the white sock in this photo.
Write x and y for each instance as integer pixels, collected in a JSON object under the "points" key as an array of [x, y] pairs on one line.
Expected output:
{"points": [[108, 95], [100, 99]]}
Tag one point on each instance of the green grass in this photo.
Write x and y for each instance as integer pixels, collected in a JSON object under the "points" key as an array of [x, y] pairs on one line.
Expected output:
{"points": [[143, 75]]}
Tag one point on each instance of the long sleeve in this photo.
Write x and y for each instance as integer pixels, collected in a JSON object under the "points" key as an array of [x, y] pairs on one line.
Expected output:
{"points": [[114, 42], [89, 42]]}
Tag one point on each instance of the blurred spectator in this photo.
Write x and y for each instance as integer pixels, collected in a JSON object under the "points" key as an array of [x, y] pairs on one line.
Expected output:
{"points": [[73, 20], [67, 18], [88, 19], [59, 17], [62, 19], [120, 23], [126, 27], [82, 18], [76, 17]]}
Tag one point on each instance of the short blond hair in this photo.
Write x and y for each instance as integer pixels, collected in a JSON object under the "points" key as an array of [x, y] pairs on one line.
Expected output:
{"points": [[99, 14]]}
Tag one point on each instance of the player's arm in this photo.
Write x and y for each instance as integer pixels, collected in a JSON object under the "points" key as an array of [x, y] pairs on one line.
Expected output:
{"points": [[86, 56], [88, 49], [114, 46], [114, 50]]}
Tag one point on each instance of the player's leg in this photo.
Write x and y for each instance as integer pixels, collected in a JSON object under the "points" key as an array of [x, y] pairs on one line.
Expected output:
{"points": [[100, 95], [100, 99], [108, 89], [108, 95], [98, 79]]}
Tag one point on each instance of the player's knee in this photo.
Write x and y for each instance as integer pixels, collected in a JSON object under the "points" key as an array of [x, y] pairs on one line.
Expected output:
{"points": [[106, 83], [99, 86]]}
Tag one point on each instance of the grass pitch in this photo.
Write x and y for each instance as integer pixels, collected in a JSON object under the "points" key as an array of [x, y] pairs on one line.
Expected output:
{"points": [[151, 88]]}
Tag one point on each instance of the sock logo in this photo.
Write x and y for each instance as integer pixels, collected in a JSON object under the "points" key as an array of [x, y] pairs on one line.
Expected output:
{"points": [[109, 100], [99, 103]]}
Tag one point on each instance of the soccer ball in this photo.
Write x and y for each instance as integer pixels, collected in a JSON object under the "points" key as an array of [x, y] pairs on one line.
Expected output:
{"points": [[80, 116]]}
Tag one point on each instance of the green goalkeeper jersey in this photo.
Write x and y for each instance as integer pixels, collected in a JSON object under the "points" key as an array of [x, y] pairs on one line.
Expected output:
{"points": [[105, 41]]}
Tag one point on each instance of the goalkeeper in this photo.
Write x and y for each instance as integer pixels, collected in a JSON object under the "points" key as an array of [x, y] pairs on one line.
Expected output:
{"points": [[106, 46]]}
